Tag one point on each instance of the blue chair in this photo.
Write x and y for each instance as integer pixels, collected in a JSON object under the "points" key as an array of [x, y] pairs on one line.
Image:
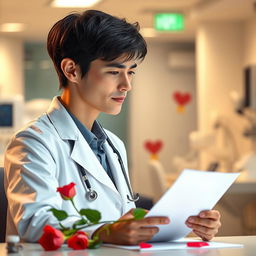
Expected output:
{"points": [[3, 207]]}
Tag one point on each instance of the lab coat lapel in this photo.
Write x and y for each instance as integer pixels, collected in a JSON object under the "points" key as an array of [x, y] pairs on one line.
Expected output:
{"points": [[81, 152], [116, 171], [84, 156]]}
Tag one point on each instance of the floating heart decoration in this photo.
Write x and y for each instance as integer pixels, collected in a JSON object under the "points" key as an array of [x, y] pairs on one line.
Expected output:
{"points": [[182, 98], [153, 147]]}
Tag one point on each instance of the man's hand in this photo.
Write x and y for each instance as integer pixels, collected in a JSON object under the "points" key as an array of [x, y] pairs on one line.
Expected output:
{"points": [[131, 232], [205, 225]]}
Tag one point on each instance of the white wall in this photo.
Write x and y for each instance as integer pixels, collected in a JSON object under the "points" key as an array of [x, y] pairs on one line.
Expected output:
{"points": [[249, 56], [11, 66], [219, 49], [153, 114]]}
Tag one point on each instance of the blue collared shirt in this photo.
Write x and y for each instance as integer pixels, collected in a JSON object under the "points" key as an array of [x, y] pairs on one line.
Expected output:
{"points": [[95, 138]]}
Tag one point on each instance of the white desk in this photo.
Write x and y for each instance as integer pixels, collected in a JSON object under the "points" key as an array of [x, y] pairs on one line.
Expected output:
{"points": [[249, 249]]}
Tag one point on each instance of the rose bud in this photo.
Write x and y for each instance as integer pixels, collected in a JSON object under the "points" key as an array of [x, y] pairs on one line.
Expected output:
{"points": [[67, 192]]}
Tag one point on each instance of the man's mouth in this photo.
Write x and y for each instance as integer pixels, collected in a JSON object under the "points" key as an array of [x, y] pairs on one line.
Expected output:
{"points": [[118, 99]]}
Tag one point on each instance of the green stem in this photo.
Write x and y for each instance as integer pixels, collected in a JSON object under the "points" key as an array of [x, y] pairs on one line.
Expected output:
{"points": [[105, 222], [63, 227], [74, 206]]}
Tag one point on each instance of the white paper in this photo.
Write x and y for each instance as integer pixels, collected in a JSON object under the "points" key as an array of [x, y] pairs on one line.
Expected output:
{"points": [[191, 193], [175, 245]]}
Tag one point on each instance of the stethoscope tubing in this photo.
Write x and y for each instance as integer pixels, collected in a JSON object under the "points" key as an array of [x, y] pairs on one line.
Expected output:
{"points": [[134, 197], [91, 194]]}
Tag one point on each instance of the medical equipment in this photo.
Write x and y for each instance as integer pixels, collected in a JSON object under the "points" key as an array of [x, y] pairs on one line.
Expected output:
{"points": [[245, 105], [14, 113], [11, 119], [91, 194], [218, 144], [250, 87], [11, 113]]}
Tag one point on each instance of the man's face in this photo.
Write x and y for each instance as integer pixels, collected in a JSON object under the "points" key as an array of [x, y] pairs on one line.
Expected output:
{"points": [[105, 86]]}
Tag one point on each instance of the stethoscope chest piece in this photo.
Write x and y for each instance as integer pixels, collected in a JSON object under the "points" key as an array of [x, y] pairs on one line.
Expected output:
{"points": [[91, 195]]}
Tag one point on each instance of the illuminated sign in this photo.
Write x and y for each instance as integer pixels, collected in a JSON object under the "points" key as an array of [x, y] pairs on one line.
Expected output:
{"points": [[168, 21]]}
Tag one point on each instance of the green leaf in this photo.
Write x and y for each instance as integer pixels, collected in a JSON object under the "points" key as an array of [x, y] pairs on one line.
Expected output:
{"points": [[139, 213], [59, 214], [80, 222], [93, 216]]}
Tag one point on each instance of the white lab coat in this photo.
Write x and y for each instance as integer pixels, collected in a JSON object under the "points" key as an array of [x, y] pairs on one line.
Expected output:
{"points": [[45, 155]]}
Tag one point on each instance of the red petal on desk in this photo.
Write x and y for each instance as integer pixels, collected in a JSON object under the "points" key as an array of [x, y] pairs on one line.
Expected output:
{"points": [[197, 244], [145, 245]]}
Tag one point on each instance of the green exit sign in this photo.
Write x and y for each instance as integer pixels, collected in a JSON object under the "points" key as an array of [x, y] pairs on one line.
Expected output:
{"points": [[168, 21]]}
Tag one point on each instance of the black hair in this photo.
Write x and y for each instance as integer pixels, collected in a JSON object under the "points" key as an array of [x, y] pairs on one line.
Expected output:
{"points": [[93, 35]]}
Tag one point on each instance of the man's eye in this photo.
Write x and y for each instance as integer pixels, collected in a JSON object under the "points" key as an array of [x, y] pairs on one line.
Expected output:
{"points": [[131, 73], [113, 72]]}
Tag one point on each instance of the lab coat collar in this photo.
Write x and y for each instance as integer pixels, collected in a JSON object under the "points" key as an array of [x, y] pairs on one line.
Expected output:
{"points": [[62, 121], [81, 152]]}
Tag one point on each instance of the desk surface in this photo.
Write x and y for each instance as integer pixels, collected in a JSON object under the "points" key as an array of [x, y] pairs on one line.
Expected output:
{"points": [[249, 249]]}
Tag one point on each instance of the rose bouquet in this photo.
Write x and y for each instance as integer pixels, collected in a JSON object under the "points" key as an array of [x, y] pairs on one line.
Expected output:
{"points": [[52, 238]]}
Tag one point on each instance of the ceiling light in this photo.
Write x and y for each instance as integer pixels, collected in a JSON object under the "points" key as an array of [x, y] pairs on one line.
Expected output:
{"points": [[12, 27], [73, 3]]}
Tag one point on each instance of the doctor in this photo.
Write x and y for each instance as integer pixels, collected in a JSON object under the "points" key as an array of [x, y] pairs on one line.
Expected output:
{"points": [[95, 56]]}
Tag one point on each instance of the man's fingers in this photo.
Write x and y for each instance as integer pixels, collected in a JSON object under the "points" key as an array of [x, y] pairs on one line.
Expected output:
{"points": [[148, 231], [212, 214], [154, 221], [201, 228], [204, 232], [208, 223], [204, 236], [143, 234]]}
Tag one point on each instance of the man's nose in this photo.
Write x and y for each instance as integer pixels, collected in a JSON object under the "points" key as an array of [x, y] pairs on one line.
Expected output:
{"points": [[125, 83]]}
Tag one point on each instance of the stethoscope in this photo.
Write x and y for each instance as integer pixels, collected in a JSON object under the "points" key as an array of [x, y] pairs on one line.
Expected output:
{"points": [[91, 194]]}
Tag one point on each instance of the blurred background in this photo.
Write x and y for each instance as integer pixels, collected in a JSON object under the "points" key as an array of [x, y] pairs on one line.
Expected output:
{"points": [[193, 103]]}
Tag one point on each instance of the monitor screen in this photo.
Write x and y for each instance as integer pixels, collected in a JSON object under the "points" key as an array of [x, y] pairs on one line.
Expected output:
{"points": [[250, 87], [11, 114], [6, 115]]}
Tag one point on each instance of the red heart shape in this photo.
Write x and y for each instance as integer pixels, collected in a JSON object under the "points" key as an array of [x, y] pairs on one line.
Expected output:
{"points": [[153, 147], [182, 98]]}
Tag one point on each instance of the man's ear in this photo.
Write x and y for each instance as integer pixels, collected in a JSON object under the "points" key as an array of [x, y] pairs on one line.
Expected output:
{"points": [[70, 70]]}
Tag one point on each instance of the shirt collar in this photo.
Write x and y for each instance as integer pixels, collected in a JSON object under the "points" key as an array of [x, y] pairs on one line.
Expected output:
{"points": [[88, 135], [98, 131], [96, 134]]}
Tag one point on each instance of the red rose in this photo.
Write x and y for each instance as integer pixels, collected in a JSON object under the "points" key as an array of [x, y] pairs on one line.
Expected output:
{"points": [[67, 192], [78, 241], [52, 238]]}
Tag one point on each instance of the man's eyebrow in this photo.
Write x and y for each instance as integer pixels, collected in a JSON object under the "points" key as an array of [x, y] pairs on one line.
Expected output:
{"points": [[119, 65]]}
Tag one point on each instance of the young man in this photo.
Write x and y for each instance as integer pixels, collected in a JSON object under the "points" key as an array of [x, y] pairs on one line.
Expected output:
{"points": [[95, 56]]}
